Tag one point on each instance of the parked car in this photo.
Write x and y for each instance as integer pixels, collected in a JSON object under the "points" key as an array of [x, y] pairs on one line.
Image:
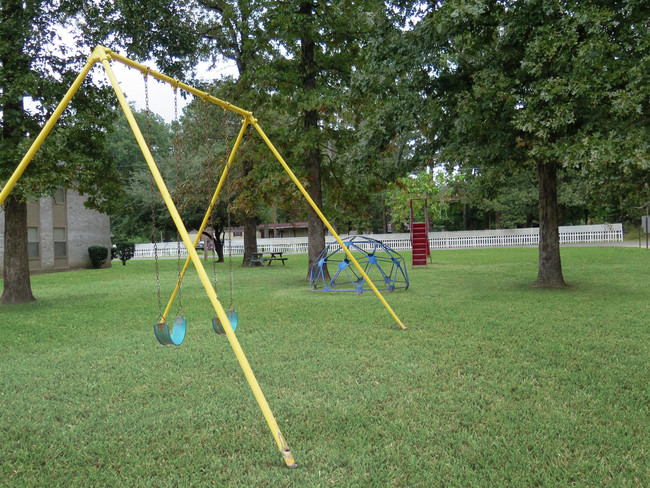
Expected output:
{"points": [[200, 246]]}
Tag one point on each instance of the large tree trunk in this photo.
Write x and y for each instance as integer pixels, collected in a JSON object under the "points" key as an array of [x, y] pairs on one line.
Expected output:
{"points": [[550, 265], [250, 224], [15, 66], [316, 228], [250, 239], [217, 240], [17, 286]]}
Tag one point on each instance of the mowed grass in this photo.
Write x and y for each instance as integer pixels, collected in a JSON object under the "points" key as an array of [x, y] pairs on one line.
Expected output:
{"points": [[494, 382]]}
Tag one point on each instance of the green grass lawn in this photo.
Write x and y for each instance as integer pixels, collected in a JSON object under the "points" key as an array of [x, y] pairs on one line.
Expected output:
{"points": [[494, 382]]}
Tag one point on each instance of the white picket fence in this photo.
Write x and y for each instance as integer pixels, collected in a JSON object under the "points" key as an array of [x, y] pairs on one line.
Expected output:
{"points": [[576, 234]]}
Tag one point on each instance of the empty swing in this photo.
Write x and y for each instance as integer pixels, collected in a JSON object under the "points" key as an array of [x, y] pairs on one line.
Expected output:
{"points": [[231, 313], [161, 329]]}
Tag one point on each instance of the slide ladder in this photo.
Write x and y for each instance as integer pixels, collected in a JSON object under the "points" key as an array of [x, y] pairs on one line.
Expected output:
{"points": [[420, 243], [420, 239]]}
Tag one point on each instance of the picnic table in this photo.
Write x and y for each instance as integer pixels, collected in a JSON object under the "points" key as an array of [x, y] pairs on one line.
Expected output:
{"points": [[258, 257]]}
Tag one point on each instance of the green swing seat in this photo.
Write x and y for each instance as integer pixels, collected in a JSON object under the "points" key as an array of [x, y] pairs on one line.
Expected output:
{"points": [[176, 337], [232, 317]]}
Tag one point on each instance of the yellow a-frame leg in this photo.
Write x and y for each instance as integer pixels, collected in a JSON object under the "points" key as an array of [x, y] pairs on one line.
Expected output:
{"points": [[205, 280]]}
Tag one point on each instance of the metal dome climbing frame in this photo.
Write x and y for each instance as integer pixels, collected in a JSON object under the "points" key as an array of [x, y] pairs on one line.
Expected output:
{"points": [[332, 271]]}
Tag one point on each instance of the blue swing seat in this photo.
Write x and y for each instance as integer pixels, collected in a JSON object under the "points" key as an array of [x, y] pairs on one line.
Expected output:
{"points": [[161, 329], [232, 317]]}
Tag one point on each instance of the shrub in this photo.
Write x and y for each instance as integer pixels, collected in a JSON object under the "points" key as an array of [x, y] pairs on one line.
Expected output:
{"points": [[123, 251], [98, 255]]}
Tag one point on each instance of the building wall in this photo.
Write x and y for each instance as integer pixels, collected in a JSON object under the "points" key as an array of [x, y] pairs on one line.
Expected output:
{"points": [[294, 232], [46, 231], [85, 228], [65, 230]]}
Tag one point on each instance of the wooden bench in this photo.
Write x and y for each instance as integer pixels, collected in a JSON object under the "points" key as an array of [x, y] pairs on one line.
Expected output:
{"points": [[276, 256], [258, 257]]}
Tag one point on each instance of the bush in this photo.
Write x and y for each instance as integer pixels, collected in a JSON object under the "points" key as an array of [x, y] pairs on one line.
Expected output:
{"points": [[123, 251], [98, 255]]}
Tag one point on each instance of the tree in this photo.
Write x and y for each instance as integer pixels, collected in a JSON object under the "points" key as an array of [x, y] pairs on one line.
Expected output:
{"points": [[496, 196], [436, 188], [203, 139], [236, 30], [537, 83], [124, 251], [34, 77], [381, 109], [299, 56], [39, 67], [320, 47]]}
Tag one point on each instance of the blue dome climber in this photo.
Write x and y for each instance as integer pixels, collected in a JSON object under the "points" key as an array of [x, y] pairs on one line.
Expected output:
{"points": [[333, 270]]}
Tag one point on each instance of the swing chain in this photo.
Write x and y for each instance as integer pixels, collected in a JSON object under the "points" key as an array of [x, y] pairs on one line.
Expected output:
{"points": [[177, 194], [153, 205], [228, 209], [206, 131]]}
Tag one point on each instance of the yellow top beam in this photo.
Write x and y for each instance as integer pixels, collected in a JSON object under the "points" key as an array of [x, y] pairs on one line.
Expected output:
{"points": [[105, 53]]}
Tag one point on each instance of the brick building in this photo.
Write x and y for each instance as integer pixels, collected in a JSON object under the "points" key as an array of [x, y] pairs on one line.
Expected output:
{"points": [[60, 229]]}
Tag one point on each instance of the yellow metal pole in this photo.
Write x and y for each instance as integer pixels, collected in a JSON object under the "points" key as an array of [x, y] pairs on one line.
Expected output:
{"points": [[213, 202], [275, 152], [45, 131], [241, 357]]}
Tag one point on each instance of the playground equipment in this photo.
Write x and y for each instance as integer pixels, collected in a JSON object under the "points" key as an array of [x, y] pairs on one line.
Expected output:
{"points": [[420, 237], [175, 337], [378, 261], [164, 335], [104, 57]]}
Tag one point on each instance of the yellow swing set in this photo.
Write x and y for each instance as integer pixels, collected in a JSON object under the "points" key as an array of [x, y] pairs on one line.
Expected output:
{"points": [[104, 56]]}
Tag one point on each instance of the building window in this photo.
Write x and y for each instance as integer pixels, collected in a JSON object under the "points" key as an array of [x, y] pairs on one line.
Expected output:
{"points": [[33, 251], [59, 196], [60, 243], [237, 233]]}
